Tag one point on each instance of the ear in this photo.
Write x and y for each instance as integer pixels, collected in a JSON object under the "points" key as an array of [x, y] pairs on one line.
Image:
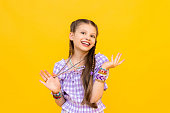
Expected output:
{"points": [[71, 35]]}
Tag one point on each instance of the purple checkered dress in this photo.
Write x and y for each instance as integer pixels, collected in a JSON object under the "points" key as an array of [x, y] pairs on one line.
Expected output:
{"points": [[72, 87]]}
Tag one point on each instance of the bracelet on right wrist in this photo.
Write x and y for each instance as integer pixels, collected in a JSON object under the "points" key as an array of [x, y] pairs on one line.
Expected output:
{"points": [[57, 95]]}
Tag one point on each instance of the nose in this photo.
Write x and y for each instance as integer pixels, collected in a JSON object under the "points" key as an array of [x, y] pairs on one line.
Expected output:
{"points": [[87, 38]]}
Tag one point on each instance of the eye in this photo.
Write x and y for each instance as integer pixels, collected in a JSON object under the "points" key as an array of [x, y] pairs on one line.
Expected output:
{"points": [[82, 32], [93, 36]]}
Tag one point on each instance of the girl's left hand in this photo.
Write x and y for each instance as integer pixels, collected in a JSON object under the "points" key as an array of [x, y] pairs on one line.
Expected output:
{"points": [[113, 63]]}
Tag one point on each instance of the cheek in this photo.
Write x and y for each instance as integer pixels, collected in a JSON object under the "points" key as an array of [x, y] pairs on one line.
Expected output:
{"points": [[77, 37], [76, 41], [94, 41]]}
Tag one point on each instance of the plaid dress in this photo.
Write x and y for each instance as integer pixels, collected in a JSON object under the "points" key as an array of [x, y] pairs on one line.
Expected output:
{"points": [[72, 87]]}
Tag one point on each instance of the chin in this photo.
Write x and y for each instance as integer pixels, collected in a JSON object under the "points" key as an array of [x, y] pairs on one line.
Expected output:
{"points": [[86, 50]]}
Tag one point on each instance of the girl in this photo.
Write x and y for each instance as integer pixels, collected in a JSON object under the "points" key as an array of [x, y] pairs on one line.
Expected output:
{"points": [[77, 83]]}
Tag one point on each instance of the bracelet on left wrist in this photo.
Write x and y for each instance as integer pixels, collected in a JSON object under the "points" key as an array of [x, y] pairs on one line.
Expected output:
{"points": [[101, 77], [103, 71]]}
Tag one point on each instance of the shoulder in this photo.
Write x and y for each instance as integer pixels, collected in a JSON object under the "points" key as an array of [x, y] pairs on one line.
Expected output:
{"points": [[101, 58], [58, 65]]}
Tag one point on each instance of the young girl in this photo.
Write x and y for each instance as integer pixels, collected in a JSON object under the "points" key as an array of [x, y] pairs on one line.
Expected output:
{"points": [[77, 83]]}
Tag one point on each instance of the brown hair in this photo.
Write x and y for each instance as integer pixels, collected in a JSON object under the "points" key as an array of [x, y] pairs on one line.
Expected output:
{"points": [[86, 77]]}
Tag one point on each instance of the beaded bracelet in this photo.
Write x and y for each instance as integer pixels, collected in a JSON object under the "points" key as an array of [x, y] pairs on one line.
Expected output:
{"points": [[103, 71], [101, 77], [57, 95]]}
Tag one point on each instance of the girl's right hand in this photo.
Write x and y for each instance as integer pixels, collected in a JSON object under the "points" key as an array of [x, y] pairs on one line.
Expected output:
{"points": [[51, 83]]}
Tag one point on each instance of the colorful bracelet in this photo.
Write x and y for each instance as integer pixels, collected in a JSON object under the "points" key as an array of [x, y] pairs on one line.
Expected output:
{"points": [[103, 71], [57, 95], [101, 77]]}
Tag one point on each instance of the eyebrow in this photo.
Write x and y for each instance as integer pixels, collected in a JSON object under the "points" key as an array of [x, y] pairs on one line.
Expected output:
{"points": [[85, 30]]}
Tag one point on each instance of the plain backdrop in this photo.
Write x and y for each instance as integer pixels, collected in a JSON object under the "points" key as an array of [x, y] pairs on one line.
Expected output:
{"points": [[34, 36]]}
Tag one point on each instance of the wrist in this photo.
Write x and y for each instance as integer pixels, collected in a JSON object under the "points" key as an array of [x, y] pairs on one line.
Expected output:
{"points": [[56, 91], [102, 74], [57, 95], [101, 77], [104, 67], [103, 70]]}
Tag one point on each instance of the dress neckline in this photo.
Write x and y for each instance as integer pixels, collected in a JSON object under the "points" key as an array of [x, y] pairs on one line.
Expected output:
{"points": [[81, 67], [72, 68]]}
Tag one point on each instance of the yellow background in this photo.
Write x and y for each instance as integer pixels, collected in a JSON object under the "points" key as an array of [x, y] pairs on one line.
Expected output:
{"points": [[34, 36]]}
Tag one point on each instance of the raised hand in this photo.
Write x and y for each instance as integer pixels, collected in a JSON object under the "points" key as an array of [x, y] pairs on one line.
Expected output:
{"points": [[51, 83], [113, 63]]}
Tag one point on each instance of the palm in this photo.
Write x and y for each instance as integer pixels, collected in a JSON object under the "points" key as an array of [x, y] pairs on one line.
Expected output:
{"points": [[113, 63], [51, 83]]}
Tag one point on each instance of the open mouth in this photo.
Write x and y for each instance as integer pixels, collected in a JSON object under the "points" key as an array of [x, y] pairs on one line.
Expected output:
{"points": [[85, 43]]}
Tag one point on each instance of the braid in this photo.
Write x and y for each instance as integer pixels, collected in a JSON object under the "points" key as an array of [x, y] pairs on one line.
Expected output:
{"points": [[93, 56], [91, 79]]}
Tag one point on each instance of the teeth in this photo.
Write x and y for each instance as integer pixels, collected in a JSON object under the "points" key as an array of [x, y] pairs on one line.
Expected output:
{"points": [[85, 43]]}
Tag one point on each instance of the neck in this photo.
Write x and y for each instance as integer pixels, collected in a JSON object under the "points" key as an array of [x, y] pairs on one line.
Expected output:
{"points": [[78, 56]]}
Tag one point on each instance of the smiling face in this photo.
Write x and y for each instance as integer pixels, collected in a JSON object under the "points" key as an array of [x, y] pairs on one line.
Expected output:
{"points": [[84, 37]]}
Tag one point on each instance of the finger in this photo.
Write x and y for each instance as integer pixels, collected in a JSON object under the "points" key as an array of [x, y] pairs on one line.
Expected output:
{"points": [[112, 58], [45, 79], [116, 58], [119, 57], [121, 61], [44, 74], [48, 74], [42, 82]]}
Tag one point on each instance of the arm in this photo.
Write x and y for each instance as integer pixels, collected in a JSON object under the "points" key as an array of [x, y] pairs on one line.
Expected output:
{"points": [[97, 92], [98, 87], [60, 101]]}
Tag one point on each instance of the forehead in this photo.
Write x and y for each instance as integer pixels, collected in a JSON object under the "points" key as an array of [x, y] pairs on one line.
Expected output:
{"points": [[86, 27]]}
